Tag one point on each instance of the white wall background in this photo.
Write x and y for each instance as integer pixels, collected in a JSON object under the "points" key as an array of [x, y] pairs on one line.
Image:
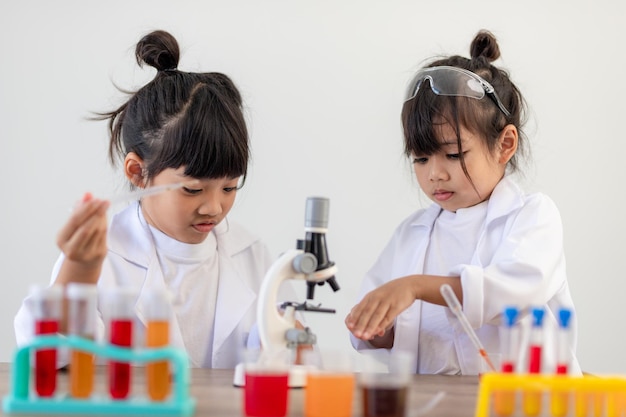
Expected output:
{"points": [[323, 83]]}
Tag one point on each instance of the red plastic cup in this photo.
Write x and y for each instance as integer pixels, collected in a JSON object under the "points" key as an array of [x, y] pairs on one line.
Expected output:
{"points": [[266, 386]]}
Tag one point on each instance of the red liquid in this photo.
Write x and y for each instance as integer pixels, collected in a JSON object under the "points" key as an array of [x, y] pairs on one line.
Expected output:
{"points": [[119, 372], [534, 363], [384, 402], [46, 361], [507, 367], [266, 395]]}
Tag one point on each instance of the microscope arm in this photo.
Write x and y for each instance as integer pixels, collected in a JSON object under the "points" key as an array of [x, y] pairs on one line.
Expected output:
{"points": [[272, 325]]}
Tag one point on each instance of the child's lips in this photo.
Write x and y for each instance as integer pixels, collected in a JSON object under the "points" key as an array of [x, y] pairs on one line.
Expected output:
{"points": [[204, 227], [442, 195]]}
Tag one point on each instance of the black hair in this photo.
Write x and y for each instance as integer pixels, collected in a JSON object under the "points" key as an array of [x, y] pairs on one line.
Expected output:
{"points": [[180, 118], [422, 114]]}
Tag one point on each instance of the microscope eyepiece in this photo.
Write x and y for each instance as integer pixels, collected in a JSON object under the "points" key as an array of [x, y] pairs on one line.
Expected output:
{"points": [[316, 213]]}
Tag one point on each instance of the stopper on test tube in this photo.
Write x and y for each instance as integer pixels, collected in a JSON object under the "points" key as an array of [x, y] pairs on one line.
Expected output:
{"points": [[565, 314], [510, 315], [537, 314]]}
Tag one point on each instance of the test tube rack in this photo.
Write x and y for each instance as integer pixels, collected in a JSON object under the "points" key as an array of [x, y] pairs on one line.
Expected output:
{"points": [[560, 395], [21, 399]]}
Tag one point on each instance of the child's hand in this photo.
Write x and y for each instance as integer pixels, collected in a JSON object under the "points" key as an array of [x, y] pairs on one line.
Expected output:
{"points": [[83, 238], [376, 312]]}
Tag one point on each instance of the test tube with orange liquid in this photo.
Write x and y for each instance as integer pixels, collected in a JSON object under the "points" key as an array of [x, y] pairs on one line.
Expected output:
{"points": [[81, 322], [45, 303], [158, 335], [504, 401], [532, 400]]}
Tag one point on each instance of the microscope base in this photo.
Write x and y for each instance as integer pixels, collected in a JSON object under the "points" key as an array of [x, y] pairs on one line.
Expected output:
{"points": [[297, 376]]}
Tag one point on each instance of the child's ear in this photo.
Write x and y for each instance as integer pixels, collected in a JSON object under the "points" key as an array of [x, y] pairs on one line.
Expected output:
{"points": [[134, 169], [507, 144]]}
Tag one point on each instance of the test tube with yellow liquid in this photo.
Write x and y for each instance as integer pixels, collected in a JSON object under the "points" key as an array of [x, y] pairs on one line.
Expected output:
{"points": [[81, 322], [158, 335]]}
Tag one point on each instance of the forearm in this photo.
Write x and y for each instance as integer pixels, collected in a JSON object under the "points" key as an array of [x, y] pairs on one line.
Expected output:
{"points": [[428, 288]]}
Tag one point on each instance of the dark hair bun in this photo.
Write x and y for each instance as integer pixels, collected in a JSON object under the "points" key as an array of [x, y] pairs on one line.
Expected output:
{"points": [[485, 45], [159, 49]]}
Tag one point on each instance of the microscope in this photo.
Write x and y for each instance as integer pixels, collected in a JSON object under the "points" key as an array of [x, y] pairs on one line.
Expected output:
{"points": [[308, 262]]}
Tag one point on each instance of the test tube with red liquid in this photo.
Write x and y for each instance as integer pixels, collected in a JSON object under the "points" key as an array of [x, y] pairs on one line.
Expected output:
{"points": [[81, 321], [46, 306], [532, 400], [157, 335], [121, 304], [560, 400], [504, 401]]}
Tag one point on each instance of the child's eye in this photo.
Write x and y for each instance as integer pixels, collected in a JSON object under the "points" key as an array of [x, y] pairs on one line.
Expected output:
{"points": [[230, 189], [420, 160], [191, 190], [455, 156]]}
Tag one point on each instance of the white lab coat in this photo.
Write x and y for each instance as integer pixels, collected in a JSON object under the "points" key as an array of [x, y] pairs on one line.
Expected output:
{"points": [[132, 262], [518, 261]]}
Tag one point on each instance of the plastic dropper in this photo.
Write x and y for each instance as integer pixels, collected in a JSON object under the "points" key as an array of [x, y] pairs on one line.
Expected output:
{"points": [[455, 305], [144, 192]]}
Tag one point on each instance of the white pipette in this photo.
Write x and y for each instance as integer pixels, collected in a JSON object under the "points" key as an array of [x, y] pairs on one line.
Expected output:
{"points": [[455, 305], [144, 192]]}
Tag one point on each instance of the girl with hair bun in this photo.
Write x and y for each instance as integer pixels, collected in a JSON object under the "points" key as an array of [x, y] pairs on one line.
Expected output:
{"points": [[181, 127], [495, 245]]}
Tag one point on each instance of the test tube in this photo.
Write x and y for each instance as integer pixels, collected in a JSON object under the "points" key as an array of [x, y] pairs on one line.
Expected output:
{"points": [[560, 399], [121, 303], [504, 401], [46, 306], [157, 335], [82, 300], [532, 400]]}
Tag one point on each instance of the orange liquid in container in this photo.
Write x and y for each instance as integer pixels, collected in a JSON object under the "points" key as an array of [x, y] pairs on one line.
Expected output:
{"points": [[81, 374], [329, 395], [158, 373]]}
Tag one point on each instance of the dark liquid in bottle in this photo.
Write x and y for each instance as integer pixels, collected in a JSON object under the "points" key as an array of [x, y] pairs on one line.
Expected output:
{"points": [[384, 401]]}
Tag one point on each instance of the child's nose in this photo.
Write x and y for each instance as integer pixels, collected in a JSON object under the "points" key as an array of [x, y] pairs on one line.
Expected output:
{"points": [[210, 206], [437, 170]]}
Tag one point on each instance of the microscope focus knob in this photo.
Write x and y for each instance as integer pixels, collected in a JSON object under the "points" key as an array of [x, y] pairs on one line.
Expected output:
{"points": [[305, 263]]}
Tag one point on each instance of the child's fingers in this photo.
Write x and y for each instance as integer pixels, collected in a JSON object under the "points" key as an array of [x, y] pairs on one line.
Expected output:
{"points": [[81, 214], [366, 318]]}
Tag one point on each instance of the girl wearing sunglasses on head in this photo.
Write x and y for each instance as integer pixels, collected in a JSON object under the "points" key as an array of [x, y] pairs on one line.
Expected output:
{"points": [[493, 244]]}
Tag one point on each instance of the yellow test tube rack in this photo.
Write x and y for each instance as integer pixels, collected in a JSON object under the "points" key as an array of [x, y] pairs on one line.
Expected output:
{"points": [[504, 395]]}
